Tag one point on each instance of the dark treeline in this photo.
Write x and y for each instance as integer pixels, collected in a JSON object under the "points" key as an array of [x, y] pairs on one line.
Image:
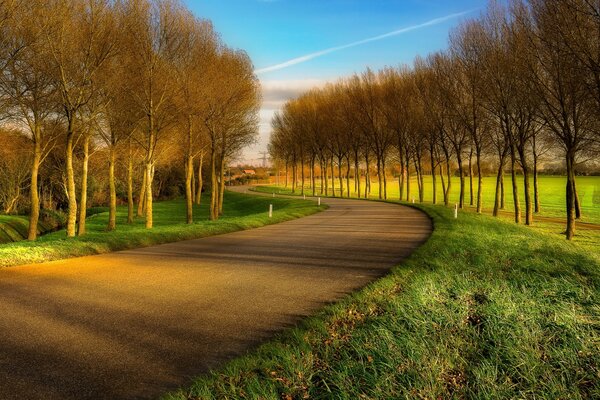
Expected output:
{"points": [[123, 100], [515, 83]]}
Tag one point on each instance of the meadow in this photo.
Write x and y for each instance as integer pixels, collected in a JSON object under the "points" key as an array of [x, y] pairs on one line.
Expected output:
{"points": [[240, 212], [551, 191]]}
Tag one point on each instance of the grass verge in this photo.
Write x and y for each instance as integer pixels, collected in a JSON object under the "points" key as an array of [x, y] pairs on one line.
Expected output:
{"points": [[485, 309], [240, 212]]}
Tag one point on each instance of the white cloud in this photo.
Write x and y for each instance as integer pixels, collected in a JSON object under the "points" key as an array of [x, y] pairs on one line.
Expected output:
{"points": [[277, 92], [311, 56], [275, 95]]}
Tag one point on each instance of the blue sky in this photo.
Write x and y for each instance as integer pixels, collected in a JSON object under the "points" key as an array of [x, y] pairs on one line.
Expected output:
{"points": [[274, 32]]}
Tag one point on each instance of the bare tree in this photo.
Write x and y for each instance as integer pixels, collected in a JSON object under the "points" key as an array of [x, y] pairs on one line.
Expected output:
{"points": [[560, 81], [153, 41], [28, 87], [80, 40]]}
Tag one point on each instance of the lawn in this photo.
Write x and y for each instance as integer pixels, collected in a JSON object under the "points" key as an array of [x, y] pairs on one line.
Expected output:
{"points": [[240, 212], [485, 309], [551, 188]]}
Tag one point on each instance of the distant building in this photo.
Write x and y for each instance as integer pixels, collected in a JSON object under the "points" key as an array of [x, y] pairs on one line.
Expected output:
{"points": [[249, 172]]}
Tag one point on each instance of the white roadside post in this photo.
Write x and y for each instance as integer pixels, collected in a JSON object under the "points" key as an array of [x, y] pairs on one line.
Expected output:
{"points": [[319, 201], [270, 210], [304, 197], [455, 210]]}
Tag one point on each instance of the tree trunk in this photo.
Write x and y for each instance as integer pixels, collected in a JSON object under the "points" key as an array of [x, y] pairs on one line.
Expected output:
{"points": [[570, 232], [402, 174], [443, 181], [302, 174], [324, 179], [340, 176], [214, 215], [357, 174], [142, 199], [526, 186], [193, 183], [384, 178], [497, 198], [418, 173], [312, 176], [367, 177], [294, 166], [332, 176], [536, 192], [407, 168], [471, 192], [130, 187], [112, 208], [461, 172], [420, 185], [449, 181], [200, 180], [84, 178], [348, 175], [502, 191], [528, 203], [479, 182], [72, 197], [515, 186], [577, 203], [221, 183], [189, 173], [149, 178], [433, 179], [34, 191], [379, 180]]}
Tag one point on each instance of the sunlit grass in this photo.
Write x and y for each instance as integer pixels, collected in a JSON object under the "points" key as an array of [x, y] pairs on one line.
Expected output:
{"points": [[240, 212], [485, 309]]}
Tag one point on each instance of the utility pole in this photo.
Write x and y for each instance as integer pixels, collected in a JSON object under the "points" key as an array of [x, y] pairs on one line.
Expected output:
{"points": [[264, 155]]}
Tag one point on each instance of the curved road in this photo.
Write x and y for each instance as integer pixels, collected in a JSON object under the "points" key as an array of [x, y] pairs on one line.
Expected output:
{"points": [[134, 324]]}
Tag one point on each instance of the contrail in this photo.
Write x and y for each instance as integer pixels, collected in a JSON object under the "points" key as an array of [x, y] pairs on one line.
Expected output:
{"points": [[317, 54]]}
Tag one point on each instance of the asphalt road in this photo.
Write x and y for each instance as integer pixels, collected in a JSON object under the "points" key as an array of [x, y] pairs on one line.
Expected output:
{"points": [[135, 324]]}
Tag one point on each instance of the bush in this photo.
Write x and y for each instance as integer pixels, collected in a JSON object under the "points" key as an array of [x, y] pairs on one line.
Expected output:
{"points": [[51, 220]]}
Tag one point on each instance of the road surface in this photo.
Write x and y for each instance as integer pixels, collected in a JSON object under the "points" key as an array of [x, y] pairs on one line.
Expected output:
{"points": [[135, 324]]}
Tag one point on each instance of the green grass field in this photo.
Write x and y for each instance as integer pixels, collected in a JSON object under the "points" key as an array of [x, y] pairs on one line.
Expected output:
{"points": [[551, 188], [240, 212], [485, 309]]}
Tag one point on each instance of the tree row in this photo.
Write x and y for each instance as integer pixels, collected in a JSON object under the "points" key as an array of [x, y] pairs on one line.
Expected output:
{"points": [[517, 82], [145, 83]]}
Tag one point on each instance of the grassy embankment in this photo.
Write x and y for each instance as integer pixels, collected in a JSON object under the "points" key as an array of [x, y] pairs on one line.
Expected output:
{"points": [[485, 309], [240, 212], [13, 228], [552, 193]]}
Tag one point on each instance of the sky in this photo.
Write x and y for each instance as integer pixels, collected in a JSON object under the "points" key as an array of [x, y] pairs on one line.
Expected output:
{"points": [[299, 44]]}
